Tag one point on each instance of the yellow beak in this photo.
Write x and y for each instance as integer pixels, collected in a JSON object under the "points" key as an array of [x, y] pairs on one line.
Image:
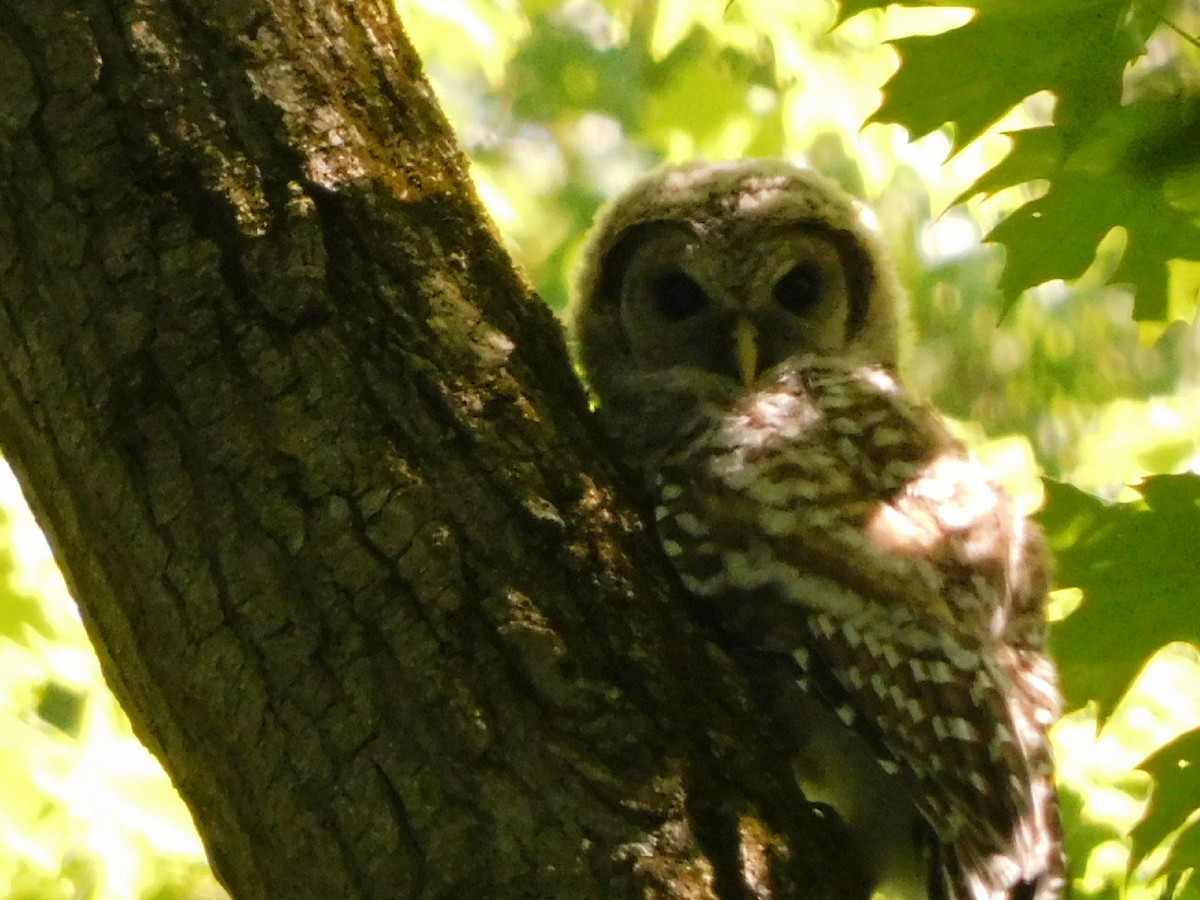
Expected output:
{"points": [[745, 338]]}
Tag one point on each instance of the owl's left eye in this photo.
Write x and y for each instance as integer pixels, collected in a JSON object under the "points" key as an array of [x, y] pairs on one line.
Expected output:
{"points": [[800, 288], [677, 296]]}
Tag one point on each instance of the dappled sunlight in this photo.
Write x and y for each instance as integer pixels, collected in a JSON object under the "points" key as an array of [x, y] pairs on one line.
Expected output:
{"points": [[1009, 461], [1130, 439], [1162, 703], [85, 804], [1100, 765], [465, 35]]}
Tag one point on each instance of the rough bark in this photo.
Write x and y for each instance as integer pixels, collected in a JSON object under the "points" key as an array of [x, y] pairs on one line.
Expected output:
{"points": [[315, 464]]}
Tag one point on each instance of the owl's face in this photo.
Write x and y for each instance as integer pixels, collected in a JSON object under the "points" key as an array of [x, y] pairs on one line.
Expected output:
{"points": [[731, 304], [728, 269]]}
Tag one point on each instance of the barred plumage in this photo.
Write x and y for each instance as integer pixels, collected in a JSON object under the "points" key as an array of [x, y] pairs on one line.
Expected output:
{"points": [[739, 328]]}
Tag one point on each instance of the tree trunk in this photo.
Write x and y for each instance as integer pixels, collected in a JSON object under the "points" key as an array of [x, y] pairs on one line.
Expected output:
{"points": [[313, 458]]}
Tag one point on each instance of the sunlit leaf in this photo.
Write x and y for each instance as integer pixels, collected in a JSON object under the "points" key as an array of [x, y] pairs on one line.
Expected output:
{"points": [[468, 35], [971, 76], [1129, 439], [1184, 297], [849, 8], [1036, 153], [1097, 188], [1140, 586], [724, 125], [559, 68], [673, 20], [19, 612], [1185, 852], [1176, 772]]}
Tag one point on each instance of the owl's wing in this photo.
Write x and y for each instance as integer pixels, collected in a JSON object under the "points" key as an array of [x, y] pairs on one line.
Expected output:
{"points": [[888, 579]]}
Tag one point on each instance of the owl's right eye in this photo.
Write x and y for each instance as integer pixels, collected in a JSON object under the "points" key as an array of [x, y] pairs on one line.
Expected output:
{"points": [[801, 288], [677, 296]]}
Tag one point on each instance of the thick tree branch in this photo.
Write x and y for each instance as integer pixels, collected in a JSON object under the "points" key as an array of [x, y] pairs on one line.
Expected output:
{"points": [[314, 461]]}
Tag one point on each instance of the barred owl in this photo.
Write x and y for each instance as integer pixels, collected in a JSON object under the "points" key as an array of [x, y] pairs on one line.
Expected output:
{"points": [[738, 326]]}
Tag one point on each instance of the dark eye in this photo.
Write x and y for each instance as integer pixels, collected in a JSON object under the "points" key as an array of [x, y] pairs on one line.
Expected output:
{"points": [[800, 289], [677, 296]]}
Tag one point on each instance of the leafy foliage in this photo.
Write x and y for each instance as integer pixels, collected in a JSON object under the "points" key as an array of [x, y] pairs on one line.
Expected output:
{"points": [[1011, 50], [87, 811], [1102, 171], [1177, 782], [1065, 131], [1097, 187], [1134, 590]]}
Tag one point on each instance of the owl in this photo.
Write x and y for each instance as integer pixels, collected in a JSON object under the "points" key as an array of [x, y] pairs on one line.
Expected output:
{"points": [[739, 327]]}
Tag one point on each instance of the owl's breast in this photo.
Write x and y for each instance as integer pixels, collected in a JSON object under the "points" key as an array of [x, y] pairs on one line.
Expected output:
{"points": [[830, 470], [848, 430]]}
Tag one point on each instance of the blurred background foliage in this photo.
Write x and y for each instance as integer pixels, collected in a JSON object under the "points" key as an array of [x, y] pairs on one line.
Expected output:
{"points": [[1047, 150]]}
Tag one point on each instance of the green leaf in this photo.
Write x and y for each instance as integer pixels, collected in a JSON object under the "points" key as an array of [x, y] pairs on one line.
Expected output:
{"points": [[20, 614], [1086, 833], [1102, 185], [1140, 576], [724, 124], [849, 8], [673, 21], [1176, 772], [1185, 853], [61, 705], [559, 67], [1036, 153], [1109, 166], [973, 75]]}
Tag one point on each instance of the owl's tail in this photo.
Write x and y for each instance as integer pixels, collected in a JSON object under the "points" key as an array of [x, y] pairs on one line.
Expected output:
{"points": [[1032, 867]]}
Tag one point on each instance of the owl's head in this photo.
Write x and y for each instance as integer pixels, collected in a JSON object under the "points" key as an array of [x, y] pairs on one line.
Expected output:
{"points": [[730, 269]]}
